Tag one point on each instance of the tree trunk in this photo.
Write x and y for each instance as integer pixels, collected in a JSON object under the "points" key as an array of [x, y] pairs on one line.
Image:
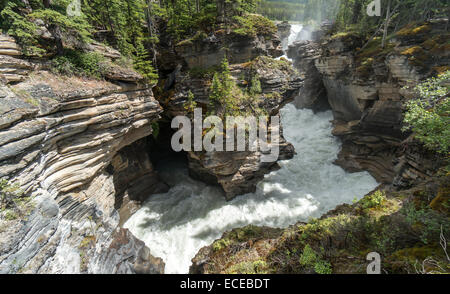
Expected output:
{"points": [[386, 24], [46, 3], [151, 28], [356, 11], [221, 10]]}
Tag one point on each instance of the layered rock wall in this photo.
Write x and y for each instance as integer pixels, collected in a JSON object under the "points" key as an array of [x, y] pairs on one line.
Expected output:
{"points": [[69, 143], [365, 89], [238, 172]]}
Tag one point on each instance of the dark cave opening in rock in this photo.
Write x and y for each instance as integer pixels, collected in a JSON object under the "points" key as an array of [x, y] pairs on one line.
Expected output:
{"points": [[135, 169], [159, 145]]}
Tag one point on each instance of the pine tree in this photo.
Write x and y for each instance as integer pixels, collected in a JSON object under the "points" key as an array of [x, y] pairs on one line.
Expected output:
{"points": [[143, 64]]}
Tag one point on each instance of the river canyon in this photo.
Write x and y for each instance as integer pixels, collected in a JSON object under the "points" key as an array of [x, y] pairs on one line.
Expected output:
{"points": [[175, 225], [89, 182]]}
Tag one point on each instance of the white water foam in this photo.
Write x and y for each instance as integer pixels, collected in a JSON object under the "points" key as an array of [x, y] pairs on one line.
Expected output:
{"points": [[175, 225], [294, 36]]}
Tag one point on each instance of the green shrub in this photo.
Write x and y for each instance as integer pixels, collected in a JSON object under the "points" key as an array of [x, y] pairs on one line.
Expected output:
{"points": [[373, 200], [223, 88], [74, 26], [19, 27], [308, 257], [190, 105], [427, 222], [227, 98], [155, 130], [143, 65], [253, 24], [221, 244], [248, 267], [89, 64], [428, 116], [323, 267], [8, 193], [311, 259], [13, 203], [255, 86]]}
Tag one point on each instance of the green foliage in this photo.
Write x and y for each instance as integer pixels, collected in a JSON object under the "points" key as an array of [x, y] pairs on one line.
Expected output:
{"points": [[427, 222], [190, 105], [221, 92], [228, 99], [249, 267], [20, 28], [123, 19], [155, 130], [18, 19], [13, 203], [310, 258], [253, 24], [6, 187], [375, 199], [74, 62], [299, 10], [322, 267], [221, 244], [184, 20], [255, 86], [74, 26], [350, 15], [143, 65], [429, 115], [243, 6]]}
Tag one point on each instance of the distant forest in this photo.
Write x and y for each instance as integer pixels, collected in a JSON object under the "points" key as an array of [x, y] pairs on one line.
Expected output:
{"points": [[347, 12], [299, 10]]}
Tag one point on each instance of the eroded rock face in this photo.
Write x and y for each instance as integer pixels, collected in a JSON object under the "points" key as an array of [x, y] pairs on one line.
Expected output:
{"points": [[237, 172], [365, 91], [70, 144], [208, 51], [284, 30], [313, 94]]}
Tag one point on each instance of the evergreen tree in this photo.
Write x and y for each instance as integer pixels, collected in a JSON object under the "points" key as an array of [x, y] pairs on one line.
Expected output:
{"points": [[143, 64]]}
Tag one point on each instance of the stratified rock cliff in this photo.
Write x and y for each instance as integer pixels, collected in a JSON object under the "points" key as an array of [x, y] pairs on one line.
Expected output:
{"points": [[204, 51], [250, 54], [405, 220], [73, 145], [365, 88], [236, 172], [284, 30], [239, 172]]}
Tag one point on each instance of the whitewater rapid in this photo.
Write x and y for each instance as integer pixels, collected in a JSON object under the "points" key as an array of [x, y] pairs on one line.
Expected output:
{"points": [[175, 225], [294, 35]]}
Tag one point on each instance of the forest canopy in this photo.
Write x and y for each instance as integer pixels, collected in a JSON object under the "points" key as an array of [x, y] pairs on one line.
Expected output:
{"points": [[351, 12]]}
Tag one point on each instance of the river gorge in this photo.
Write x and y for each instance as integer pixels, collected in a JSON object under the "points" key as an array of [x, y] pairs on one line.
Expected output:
{"points": [[175, 225], [89, 182]]}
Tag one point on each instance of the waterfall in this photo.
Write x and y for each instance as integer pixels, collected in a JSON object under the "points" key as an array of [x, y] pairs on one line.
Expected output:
{"points": [[175, 225], [294, 35]]}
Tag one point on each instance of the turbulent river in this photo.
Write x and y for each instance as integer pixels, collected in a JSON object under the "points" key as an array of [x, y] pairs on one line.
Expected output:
{"points": [[175, 225]]}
